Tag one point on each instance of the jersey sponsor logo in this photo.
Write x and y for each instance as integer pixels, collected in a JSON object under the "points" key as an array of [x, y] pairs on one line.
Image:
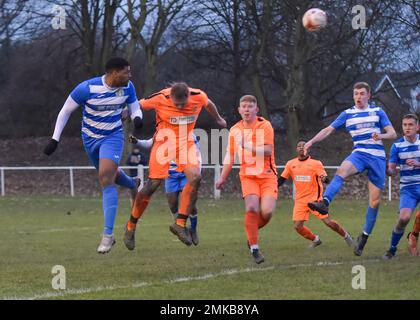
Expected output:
{"points": [[109, 107], [182, 120], [365, 125], [303, 178]]}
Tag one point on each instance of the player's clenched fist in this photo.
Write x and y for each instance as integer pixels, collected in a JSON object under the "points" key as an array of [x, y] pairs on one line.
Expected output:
{"points": [[219, 184]]}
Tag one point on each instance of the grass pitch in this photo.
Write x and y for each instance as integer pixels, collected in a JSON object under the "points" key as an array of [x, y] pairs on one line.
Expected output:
{"points": [[37, 233]]}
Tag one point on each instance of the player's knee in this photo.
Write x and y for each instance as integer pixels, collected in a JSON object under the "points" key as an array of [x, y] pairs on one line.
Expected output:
{"points": [[106, 179], [150, 187], [374, 203], [266, 214], [195, 180], [403, 221], [252, 208], [341, 172], [298, 225]]}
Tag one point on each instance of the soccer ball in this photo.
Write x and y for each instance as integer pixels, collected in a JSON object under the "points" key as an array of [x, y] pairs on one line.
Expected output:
{"points": [[314, 19]]}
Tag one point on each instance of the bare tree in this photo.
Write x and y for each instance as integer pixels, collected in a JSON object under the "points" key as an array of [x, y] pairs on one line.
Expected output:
{"points": [[150, 22]]}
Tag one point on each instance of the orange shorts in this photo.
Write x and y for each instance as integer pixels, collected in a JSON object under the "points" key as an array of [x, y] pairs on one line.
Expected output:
{"points": [[259, 186], [163, 153], [301, 212]]}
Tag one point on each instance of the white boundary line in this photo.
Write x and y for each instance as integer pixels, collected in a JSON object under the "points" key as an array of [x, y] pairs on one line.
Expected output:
{"points": [[225, 272]]}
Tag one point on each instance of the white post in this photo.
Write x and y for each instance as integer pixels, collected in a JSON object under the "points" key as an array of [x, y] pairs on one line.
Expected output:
{"points": [[216, 178], [71, 183], [389, 188], [2, 183], [140, 174]]}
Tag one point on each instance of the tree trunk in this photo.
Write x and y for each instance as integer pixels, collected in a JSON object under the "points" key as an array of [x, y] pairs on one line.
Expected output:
{"points": [[259, 93], [108, 30], [292, 133], [150, 83]]}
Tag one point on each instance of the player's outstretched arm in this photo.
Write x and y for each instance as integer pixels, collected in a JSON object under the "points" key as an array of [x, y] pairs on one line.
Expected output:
{"points": [[318, 137], [224, 175], [69, 106], [227, 168], [212, 110]]}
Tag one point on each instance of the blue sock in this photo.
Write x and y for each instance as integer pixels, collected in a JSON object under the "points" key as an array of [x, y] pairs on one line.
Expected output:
{"points": [[110, 203], [333, 188], [395, 239], [370, 220], [193, 221], [124, 180]]}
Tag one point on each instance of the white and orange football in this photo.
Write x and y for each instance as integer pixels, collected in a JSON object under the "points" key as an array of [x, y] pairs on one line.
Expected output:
{"points": [[314, 19]]}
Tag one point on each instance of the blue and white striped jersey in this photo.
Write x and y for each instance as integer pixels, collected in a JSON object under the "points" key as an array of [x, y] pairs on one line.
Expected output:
{"points": [[102, 106], [401, 151], [361, 124]]}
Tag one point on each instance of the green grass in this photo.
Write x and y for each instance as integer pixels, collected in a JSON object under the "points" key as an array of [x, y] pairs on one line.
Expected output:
{"points": [[37, 233]]}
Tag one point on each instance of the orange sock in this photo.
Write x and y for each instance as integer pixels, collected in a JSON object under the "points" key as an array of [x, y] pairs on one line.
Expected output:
{"points": [[185, 199], [181, 219], [306, 233], [416, 227], [261, 221], [337, 228], [140, 204], [251, 227]]}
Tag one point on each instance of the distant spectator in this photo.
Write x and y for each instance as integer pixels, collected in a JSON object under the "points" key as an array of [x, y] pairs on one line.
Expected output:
{"points": [[134, 159]]}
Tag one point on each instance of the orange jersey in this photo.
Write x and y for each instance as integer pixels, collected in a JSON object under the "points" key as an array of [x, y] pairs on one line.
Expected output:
{"points": [[306, 177], [241, 140], [180, 121]]}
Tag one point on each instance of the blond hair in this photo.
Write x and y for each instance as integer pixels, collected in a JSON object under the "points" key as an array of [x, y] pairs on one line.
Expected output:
{"points": [[248, 98]]}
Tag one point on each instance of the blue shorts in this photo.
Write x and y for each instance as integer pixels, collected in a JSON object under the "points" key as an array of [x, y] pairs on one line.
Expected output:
{"points": [[375, 167], [175, 182], [110, 147], [410, 196]]}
